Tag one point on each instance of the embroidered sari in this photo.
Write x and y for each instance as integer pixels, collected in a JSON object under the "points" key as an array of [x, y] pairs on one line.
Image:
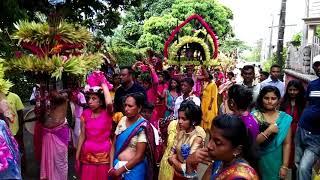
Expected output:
{"points": [[240, 169], [9, 154], [145, 168], [272, 153]]}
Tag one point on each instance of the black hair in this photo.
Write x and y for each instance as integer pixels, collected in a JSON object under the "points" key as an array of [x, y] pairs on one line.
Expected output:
{"points": [[192, 111], [241, 96], [178, 85], [275, 66], [188, 80], [210, 77], [263, 92], [170, 69], [100, 96], [129, 68], [247, 67], [166, 75], [138, 97], [234, 130], [265, 73], [148, 106], [230, 73], [300, 99]]}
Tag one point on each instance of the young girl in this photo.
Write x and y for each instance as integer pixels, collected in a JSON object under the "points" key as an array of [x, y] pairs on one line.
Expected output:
{"points": [[94, 146], [293, 104]]}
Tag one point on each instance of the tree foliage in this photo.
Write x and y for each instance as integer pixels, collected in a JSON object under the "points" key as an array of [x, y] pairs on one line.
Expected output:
{"points": [[154, 24], [255, 53], [231, 45]]}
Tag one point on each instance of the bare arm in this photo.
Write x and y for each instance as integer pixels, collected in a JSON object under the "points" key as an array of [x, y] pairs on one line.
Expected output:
{"points": [[286, 149], [205, 74], [285, 153], [82, 137], [112, 151], [108, 98]]}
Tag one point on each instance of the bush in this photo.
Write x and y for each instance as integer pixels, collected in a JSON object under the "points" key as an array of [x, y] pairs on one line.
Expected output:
{"points": [[126, 56], [23, 85]]}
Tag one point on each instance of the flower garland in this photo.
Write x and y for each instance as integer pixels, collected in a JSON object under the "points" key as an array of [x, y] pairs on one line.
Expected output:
{"points": [[56, 65], [177, 29], [42, 40], [183, 41], [209, 38]]}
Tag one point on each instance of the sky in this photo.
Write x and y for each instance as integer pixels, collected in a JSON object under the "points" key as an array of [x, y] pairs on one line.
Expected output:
{"points": [[252, 18]]}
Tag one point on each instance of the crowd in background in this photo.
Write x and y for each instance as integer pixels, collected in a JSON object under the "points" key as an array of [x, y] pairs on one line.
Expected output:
{"points": [[149, 123]]}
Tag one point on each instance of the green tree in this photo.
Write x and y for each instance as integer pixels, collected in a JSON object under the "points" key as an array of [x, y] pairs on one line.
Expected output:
{"points": [[296, 39], [162, 18], [155, 32], [232, 45], [255, 53], [216, 14]]}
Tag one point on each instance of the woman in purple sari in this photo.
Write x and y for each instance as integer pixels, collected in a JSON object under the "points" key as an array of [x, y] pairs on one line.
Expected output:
{"points": [[239, 100], [133, 146]]}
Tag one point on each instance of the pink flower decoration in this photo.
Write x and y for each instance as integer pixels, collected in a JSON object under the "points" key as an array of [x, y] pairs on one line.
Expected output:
{"points": [[4, 155], [97, 78], [144, 68], [18, 54], [64, 58]]}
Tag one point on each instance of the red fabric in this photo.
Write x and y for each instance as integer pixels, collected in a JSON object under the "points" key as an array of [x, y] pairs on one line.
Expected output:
{"points": [[94, 171], [294, 124], [37, 140]]}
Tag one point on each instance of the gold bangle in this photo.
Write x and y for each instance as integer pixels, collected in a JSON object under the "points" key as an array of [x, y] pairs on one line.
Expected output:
{"points": [[263, 134], [285, 167]]}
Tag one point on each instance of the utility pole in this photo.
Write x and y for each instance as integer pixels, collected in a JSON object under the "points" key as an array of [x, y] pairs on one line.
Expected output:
{"points": [[270, 42], [282, 23]]}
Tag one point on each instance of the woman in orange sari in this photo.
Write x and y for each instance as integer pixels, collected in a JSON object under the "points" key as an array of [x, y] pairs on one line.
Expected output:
{"points": [[229, 153]]}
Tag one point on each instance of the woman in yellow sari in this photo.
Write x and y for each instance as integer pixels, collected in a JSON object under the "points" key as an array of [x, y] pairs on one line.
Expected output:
{"points": [[166, 171], [209, 104]]}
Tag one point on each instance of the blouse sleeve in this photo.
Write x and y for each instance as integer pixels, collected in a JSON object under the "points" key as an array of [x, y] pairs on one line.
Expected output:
{"points": [[121, 125], [141, 137], [200, 133]]}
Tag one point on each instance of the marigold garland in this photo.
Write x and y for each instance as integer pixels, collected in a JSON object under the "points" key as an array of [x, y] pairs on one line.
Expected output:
{"points": [[183, 41]]}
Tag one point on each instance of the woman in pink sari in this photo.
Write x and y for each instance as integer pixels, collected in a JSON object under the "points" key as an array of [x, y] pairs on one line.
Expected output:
{"points": [[55, 135], [92, 157]]}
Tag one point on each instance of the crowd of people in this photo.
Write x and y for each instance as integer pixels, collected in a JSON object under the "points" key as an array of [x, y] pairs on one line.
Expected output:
{"points": [[146, 123]]}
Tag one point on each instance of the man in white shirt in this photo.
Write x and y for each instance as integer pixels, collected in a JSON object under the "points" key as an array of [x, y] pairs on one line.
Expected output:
{"points": [[186, 90], [248, 75], [273, 79]]}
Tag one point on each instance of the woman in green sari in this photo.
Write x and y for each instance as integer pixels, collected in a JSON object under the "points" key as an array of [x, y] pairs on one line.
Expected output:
{"points": [[275, 135]]}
